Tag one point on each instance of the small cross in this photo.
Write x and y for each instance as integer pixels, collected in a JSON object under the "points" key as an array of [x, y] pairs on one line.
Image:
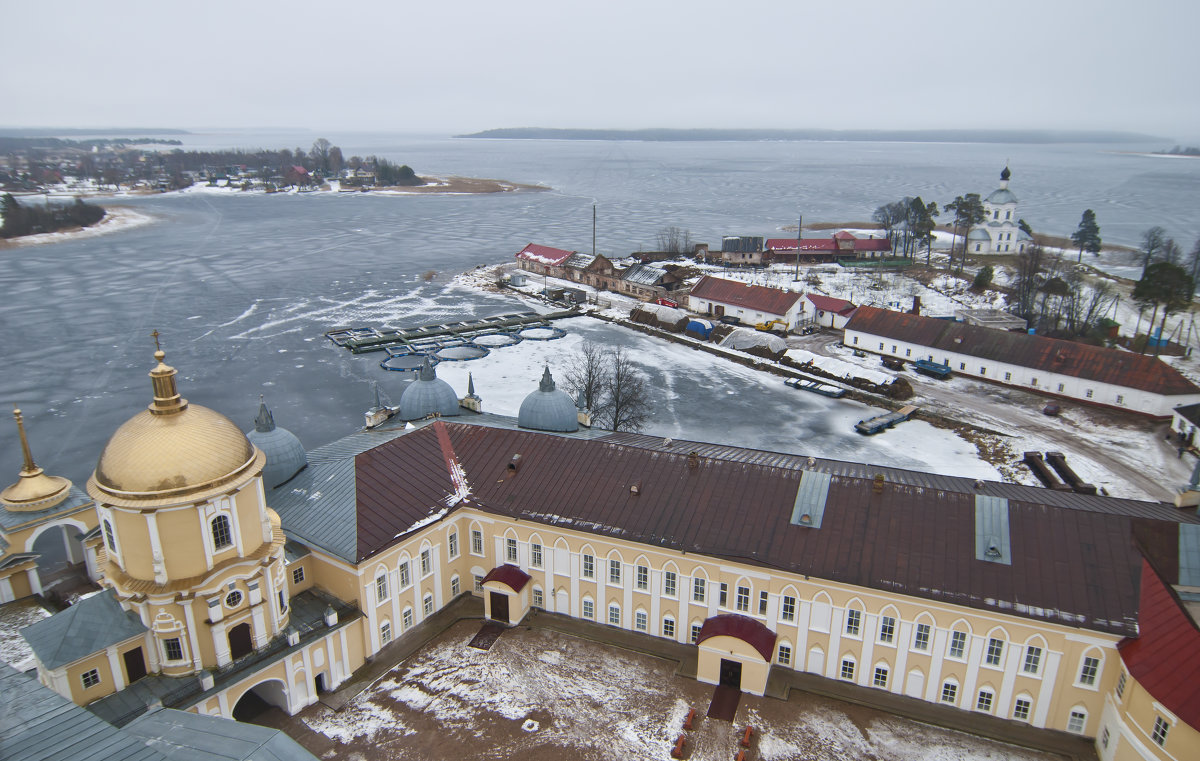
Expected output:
{"points": [[156, 346]]}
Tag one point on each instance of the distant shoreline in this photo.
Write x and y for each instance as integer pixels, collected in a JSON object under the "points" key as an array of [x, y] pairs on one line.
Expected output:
{"points": [[864, 135]]}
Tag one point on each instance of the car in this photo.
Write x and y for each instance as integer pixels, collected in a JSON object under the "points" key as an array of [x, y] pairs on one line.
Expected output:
{"points": [[664, 301], [729, 319]]}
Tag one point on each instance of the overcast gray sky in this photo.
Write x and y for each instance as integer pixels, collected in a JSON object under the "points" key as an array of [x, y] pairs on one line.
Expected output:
{"points": [[466, 65]]}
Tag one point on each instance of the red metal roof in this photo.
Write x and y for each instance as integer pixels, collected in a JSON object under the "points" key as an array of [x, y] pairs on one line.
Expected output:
{"points": [[1115, 366], [830, 304], [1165, 656], [508, 575], [748, 630], [1074, 560], [827, 244], [843, 235], [872, 244], [544, 254], [756, 297]]}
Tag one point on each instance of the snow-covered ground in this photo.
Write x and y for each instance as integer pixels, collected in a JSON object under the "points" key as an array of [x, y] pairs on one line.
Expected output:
{"points": [[116, 219], [15, 616], [539, 694]]}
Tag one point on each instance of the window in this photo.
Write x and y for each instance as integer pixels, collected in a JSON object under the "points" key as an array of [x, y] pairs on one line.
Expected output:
{"points": [[297, 575], [669, 628], [589, 609], [1033, 382], [949, 692], [1008, 376], [698, 590], [723, 597], [1087, 674], [640, 621], [994, 651], [221, 535], [881, 675], [669, 582], [855, 341], [1077, 721], [510, 550], [762, 603], [476, 542], [381, 588], [108, 536], [695, 633], [173, 648], [1121, 685], [1021, 710], [887, 628], [787, 611], [962, 365], [908, 352], [1104, 736], [589, 567], [1088, 393], [984, 701], [893, 348], [405, 576], [958, 644], [455, 586], [1159, 735], [785, 655], [282, 600], [643, 577], [427, 606], [91, 678], [1060, 388], [407, 618], [1120, 399], [535, 555], [233, 599], [453, 541], [853, 622], [743, 598], [478, 583], [848, 669], [614, 571], [1033, 659], [614, 615], [539, 600], [426, 563], [982, 370], [385, 633], [921, 640], [881, 346]]}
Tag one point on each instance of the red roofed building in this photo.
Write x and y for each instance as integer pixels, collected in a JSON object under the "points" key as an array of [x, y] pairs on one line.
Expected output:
{"points": [[830, 312], [842, 245], [505, 597], [1089, 374], [540, 259], [749, 645], [749, 303]]}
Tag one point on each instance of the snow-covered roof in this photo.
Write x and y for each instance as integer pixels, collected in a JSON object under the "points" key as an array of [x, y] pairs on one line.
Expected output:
{"points": [[1001, 195], [544, 254]]}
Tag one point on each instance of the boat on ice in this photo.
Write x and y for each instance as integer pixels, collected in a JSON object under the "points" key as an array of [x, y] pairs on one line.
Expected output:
{"points": [[817, 387]]}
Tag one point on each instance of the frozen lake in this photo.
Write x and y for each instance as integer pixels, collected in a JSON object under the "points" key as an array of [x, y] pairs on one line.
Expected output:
{"points": [[243, 287]]}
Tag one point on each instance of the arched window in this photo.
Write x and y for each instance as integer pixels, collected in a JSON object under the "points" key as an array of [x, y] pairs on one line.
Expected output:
{"points": [[108, 536], [221, 535]]}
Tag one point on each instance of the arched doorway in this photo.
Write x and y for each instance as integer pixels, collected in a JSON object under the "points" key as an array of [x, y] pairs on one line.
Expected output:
{"points": [[259, 699], [241, 641], [60, 560]]}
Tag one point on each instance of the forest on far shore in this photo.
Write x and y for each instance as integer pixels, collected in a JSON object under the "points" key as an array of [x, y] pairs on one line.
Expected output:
{"points": [[32, 219]]}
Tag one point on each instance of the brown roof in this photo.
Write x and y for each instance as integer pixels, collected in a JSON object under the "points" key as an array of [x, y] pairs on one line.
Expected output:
{"points": [[509, 575], [1074, 560], [757, 297], [748, 630], [1096, 363]]}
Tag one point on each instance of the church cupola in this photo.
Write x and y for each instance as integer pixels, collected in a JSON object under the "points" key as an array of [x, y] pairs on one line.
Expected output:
{"points": [[1004, 176], [34, 490]]}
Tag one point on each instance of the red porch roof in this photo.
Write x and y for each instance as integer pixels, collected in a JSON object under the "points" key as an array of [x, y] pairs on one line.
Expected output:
{"points": [[508, 575], [748, 630], [830, 304]]}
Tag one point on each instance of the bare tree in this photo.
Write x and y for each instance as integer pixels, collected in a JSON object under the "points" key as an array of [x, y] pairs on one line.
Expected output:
{"points": [[674, 240], [628, 405], [1152, 243], [588, 376], [1194, 260], [1027, 280]]}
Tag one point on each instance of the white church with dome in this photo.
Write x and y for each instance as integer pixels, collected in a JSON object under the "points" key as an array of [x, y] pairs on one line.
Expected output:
{"points": [[1000, 232]]}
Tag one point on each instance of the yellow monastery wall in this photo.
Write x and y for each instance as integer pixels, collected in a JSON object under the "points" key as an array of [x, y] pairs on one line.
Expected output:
{"points": [[1127, 730]]}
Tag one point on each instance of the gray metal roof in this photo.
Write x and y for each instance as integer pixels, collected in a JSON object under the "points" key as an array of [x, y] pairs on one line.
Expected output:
{"points": [[86, 627], [285, 454], [579, 261], [184, 736], [318, 507], [75, 498], [643, 274], [38, 724], [978, 233], [428, 395], [1001, 195]]}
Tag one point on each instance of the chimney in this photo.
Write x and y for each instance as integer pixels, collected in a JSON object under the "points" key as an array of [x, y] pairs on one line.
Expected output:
{"points": [[916, 305], [878, 486], [693, 460], [514, 463], [636, 489]]}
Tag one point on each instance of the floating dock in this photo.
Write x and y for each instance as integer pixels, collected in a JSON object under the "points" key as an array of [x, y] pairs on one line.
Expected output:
{"points": [[365, 340], [817, 387], [883, 422]]}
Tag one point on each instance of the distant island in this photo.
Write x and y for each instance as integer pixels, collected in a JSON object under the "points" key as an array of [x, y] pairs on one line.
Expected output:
{"points": [[19, 220], [860, 135], [1179, 150]]}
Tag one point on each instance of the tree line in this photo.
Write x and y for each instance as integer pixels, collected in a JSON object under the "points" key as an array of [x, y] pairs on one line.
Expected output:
{"points": [[27, 220]]}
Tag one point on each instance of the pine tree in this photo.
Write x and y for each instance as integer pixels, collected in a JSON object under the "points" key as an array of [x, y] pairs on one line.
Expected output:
{"points": [[1087, 235]]}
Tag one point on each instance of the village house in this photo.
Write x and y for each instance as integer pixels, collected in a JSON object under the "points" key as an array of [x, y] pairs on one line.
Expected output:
{"points": [[842, 245], [1089, 374], [935, 587], [641, 281], [830, 312], [750, 304]]}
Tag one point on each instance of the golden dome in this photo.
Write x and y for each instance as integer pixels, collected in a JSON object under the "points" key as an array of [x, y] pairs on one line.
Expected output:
{"points": [[171, 449], [34, 490]]}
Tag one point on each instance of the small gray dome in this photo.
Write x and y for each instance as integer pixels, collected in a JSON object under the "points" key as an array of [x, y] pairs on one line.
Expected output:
{"points": [[548, 409], [978, 233], [428, 395], [285, 454], [1001, 195]]}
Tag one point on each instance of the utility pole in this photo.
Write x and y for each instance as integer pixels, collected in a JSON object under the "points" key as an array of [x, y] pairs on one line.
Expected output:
{"points": [[593, 229], [799, 234]]}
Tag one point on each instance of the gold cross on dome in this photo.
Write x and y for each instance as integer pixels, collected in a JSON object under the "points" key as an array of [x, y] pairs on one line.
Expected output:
{"points": [[156, 346]]}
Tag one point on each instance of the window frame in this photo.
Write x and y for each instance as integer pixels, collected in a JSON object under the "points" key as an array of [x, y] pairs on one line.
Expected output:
{"points": [[224, 540], [405, 574], [741, 599], [987, 696], [641, 620], [994, 655], [588, 609], [879, 677], [381, 588], [510, 549], [1089, 671], [668, 627], [787, 608], [614, 571], [699, 589], [90, 678], [426, 562], [958, 641], [452, 544], [670, 584], [1077, 721], [535, 554], [887, 630], [588, 565], [949, 689], [853, 623], [1022, 707], [1160, 730], [298, 575], [784, 656], [614, 614], [848, 667], [427, 604], [1032, 664], [921, 637], [167, 648], [476, 542], [641, 577]]}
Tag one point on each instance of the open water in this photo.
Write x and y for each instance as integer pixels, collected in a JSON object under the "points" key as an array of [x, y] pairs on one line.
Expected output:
{"points": [[242, 287]]}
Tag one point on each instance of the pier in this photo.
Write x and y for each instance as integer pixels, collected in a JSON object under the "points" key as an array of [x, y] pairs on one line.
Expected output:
{"points": [[883, 422], [366, 340]]}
